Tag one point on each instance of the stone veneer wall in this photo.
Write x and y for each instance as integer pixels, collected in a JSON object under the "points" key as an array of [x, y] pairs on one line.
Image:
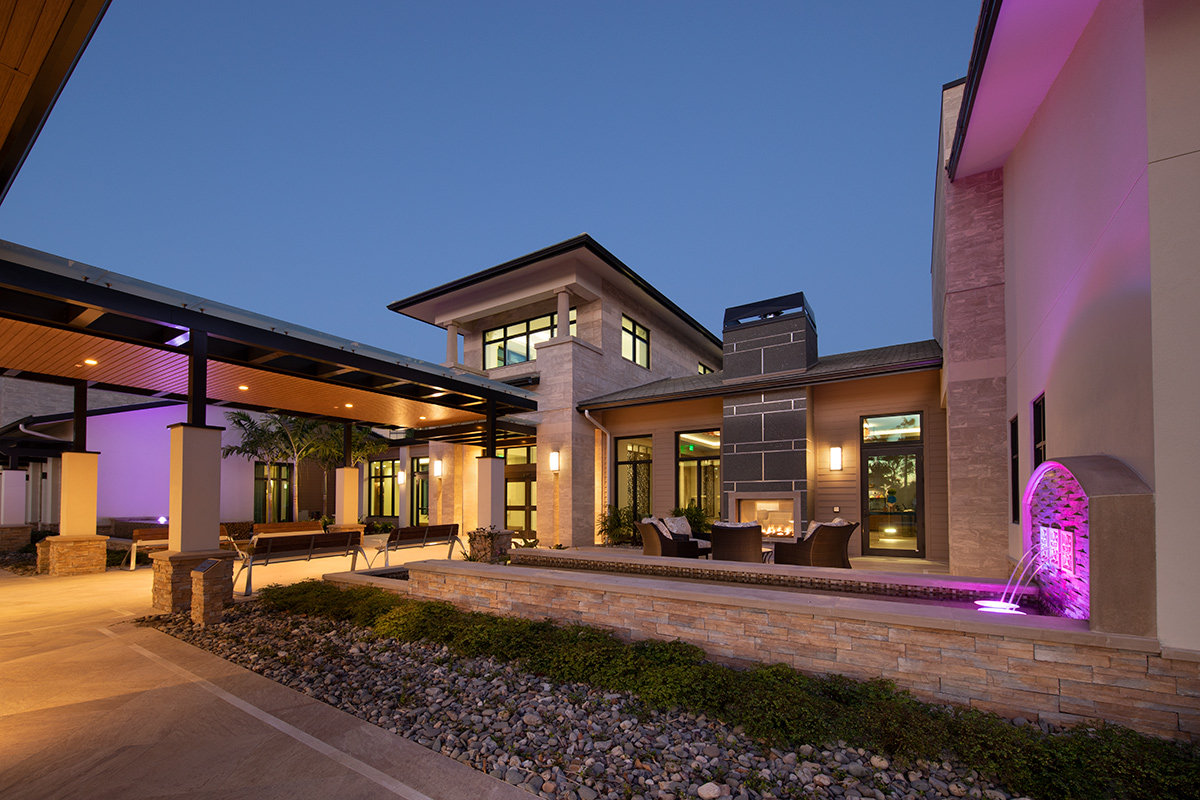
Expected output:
{"points": [[1056, 673], [14, 537]]}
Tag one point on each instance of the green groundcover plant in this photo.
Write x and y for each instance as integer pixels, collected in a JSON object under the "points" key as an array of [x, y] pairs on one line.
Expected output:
{"points": [[777, 704]]}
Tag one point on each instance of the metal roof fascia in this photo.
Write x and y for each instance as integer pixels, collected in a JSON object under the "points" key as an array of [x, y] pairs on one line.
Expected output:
{"points": [[61, 286], [989, 13]]}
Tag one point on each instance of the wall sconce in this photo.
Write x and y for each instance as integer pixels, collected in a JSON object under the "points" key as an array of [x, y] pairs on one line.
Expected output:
{"points": [[554, 461], [400, 477], [437, 468], [835, 458]]}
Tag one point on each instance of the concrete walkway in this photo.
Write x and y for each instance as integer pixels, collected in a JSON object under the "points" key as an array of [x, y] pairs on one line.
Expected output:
{"points": [[92, 706]]}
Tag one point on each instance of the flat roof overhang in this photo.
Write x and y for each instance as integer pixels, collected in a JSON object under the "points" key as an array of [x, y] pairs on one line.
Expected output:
{"points": [[1020, 47], [536, 276], [58, 316]]}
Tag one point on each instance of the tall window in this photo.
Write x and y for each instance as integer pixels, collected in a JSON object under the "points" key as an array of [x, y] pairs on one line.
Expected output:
{"points": [[383, 495], [419, 490], [1039, 431], [698, 471], [634, 459], [1014, 468], [635, 342], [515, 343], [274, 480], [892, 454]]}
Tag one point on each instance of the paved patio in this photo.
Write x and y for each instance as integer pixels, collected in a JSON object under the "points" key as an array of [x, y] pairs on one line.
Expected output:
{"points": [[94, 706]]}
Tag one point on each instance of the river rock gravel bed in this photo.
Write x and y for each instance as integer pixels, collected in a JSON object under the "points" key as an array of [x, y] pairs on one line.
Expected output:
{"points": [[567, 742]]}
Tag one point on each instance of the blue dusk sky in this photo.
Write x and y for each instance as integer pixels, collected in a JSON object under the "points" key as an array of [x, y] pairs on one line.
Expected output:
{"points": [[315, 161]]}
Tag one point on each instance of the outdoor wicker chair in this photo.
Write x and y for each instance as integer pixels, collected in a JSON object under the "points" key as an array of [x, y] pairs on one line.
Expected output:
{"points": [[826, 547], [654, 543], [740, 543]]}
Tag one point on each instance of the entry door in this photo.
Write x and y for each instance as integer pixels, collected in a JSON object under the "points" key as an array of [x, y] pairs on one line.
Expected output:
{"points": [[520, 504], [893, 493]]}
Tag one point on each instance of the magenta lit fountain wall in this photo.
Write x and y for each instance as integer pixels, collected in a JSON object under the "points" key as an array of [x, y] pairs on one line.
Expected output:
{"points": [[1056, 531]]}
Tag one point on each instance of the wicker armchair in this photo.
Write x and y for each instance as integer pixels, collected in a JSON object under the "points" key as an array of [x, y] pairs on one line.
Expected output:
{"points": [[826, 547], [655, 544], [737, 544]]}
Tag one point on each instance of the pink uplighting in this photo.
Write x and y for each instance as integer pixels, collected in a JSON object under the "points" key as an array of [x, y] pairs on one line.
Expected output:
{"points": [[1056, 530]]}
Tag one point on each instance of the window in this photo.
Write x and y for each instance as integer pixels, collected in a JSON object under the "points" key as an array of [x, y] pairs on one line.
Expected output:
{"points": [[634, 459], [419, 490], [698, 471], [1039, 431], [272, 492], [705, 369], [635, 342], [892, 463], [515, 343], [1014, 469], [383, 495]]}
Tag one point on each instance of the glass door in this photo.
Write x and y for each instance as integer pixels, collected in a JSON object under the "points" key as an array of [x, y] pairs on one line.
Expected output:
{"points": [[893, 486]]}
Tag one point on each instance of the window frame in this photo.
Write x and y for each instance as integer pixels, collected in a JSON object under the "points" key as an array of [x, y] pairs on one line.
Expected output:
{"points": [[1037, 429], [680, 460], [530, 346], [376, 478], [1014, 468], [618, 463], [635, 333]]}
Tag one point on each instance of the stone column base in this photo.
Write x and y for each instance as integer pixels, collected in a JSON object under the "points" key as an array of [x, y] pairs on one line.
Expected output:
{"points": [[212, 590], [72, 555], [172, 590], [14, 537]]}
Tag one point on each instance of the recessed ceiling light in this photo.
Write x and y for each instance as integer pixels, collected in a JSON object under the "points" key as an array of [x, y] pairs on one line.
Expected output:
{"points": [[349, 405], [420, 418], [91, 362], [243, 388]]}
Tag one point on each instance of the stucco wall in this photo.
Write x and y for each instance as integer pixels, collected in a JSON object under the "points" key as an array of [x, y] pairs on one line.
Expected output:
{"points": [[1077, 251], [1172, 30]]}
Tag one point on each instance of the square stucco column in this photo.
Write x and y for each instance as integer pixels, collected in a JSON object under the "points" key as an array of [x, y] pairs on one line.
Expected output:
{"points": [[12, 497], [491, 492], [194, 503], [78, 508], [76, 550], [346, 497], [195, 494]]}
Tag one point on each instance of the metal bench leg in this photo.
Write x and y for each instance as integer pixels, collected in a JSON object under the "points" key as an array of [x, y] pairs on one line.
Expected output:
{"points": [[132, 556]]}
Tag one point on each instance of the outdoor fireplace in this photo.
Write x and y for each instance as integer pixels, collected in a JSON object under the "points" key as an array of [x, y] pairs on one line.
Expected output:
{"points": [[773, 515]]}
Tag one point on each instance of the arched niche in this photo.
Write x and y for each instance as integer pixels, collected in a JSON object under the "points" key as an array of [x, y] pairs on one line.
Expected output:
{"points": [[1089, 524]]}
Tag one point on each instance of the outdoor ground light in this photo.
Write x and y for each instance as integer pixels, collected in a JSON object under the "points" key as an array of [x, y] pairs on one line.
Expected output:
{"points": [[437, 468], [554, 461], [835, 458]]}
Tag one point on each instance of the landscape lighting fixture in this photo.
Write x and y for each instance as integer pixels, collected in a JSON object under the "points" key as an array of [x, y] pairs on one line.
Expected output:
{"points": [[835, 458]]}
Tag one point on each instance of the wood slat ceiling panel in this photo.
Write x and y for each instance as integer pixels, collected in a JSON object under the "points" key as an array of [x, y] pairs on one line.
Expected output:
{"points": [[39, 349]]}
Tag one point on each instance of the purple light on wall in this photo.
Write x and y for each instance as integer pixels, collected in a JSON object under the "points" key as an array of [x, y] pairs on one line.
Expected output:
{"points": [[1056, 532]]}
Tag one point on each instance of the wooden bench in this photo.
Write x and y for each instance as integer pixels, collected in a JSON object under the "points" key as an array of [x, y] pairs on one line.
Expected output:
{"points": [[146, 539], [293, 541], [415, 536]]}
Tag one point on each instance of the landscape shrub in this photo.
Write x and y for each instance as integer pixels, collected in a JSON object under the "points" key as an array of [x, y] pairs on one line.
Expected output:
{"points": [[777, 704]]}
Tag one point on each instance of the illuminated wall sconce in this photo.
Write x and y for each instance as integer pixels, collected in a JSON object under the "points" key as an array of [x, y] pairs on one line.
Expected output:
{"points": [[400, 477], [554, 461], [437, 468], [835, 458]]}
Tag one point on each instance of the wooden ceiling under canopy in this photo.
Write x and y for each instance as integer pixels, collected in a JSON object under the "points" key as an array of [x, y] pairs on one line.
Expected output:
{"points": [[40, 43], [66, 322]]}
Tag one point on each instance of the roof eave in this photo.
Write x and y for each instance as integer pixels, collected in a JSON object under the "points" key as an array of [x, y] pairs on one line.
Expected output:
{"points": [[989, 12], [581, 242]]}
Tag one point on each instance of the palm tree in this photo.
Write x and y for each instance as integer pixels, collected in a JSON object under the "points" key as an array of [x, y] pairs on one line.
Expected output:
{"points": [[298, 438], [258, 440], [327, 451]]}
